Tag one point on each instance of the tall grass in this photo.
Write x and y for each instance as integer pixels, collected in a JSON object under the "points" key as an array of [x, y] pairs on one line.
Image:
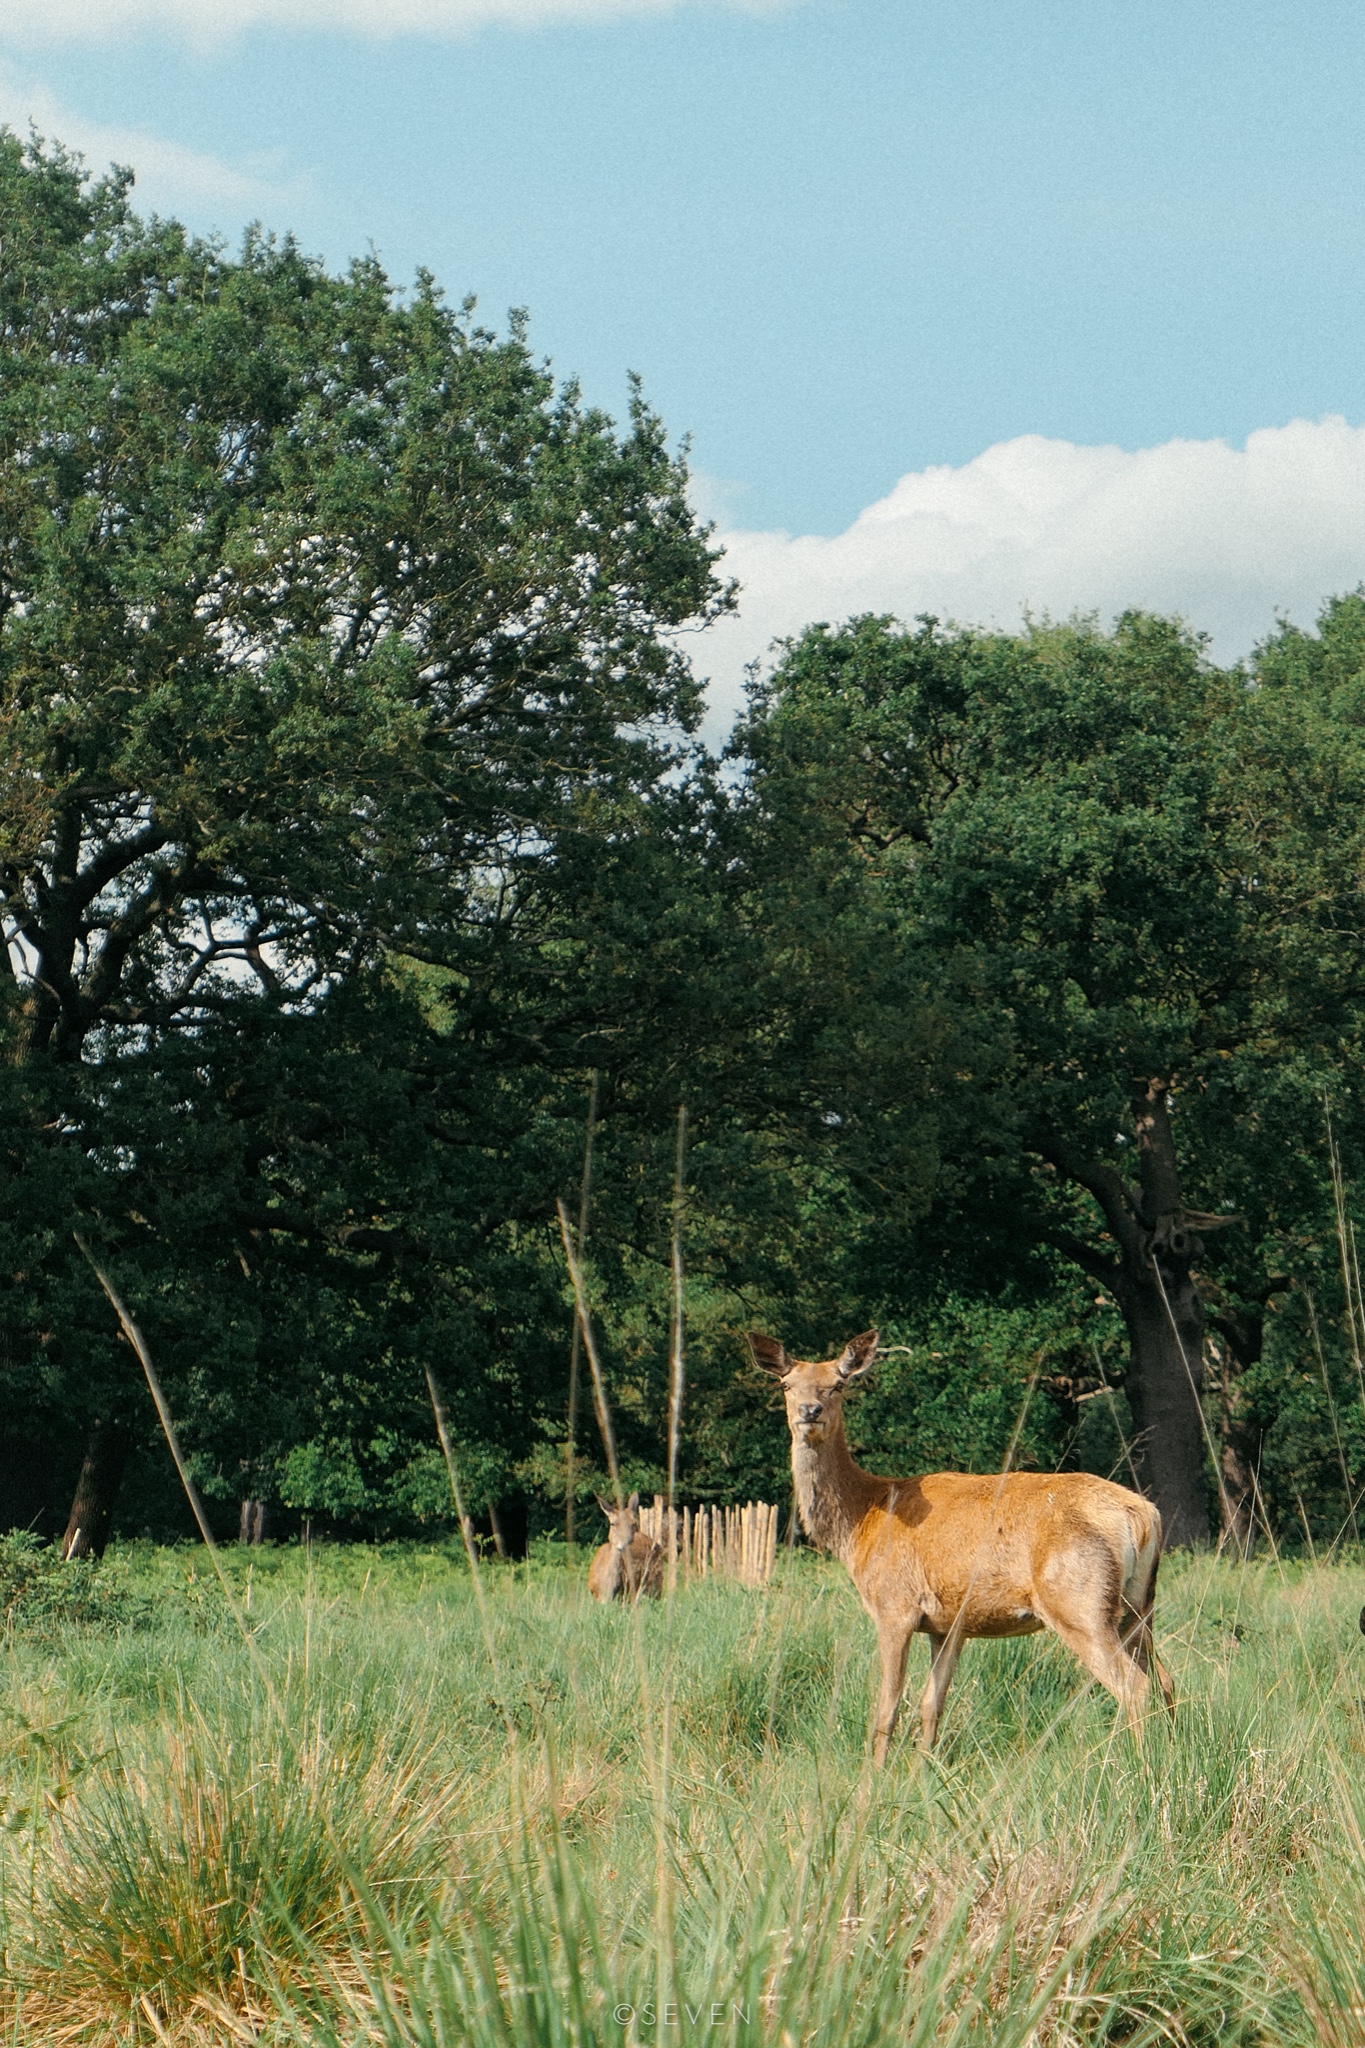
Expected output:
{"points": [[447, 1852]]}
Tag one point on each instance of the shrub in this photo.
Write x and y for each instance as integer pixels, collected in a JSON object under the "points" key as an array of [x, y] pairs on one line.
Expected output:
{"points": [[41, 1592]]}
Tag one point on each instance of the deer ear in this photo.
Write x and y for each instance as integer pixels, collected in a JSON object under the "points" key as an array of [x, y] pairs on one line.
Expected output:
{"points": [[602, 1504], [768, 1355], [633, 1504], [858, 1355]]}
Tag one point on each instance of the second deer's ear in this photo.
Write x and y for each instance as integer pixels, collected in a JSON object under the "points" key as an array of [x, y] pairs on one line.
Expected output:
{"points": [[767, 1354], [858, 1355]]}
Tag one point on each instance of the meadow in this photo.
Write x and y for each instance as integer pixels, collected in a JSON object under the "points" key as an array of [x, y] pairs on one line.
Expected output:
{"points": [[413, 1811]]}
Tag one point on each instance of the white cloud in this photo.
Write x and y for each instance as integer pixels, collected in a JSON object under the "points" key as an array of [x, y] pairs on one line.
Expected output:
{"points": [[1224, 537], [170, 176], [45, 21]]}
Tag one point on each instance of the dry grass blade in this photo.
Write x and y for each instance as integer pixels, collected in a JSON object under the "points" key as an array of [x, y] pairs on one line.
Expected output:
{"points": [[599, 1385]]}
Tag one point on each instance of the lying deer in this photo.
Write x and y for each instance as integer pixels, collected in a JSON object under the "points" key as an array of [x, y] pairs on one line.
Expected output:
{"points": [[629, 1566], [954, 1555]]}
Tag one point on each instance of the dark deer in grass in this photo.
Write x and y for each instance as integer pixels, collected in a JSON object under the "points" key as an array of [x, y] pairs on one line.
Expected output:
{"points": [[954, 1555], [629, 1566]]}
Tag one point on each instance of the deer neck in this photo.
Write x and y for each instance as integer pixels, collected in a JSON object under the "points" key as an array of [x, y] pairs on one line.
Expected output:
{"points": [[830, 1490]]}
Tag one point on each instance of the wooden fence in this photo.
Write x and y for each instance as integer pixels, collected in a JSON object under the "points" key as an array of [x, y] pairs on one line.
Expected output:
{"points": [[727, 1543]]}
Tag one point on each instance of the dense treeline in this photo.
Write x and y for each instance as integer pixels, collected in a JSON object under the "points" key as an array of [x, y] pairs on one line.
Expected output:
{"points": [[352, 838]]}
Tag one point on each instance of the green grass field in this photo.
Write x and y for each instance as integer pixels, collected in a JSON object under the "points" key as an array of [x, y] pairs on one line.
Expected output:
{"points": [[410, 1821]]}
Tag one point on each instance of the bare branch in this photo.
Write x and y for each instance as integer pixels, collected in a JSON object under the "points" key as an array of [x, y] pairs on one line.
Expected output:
{"points": [[115, 858]]}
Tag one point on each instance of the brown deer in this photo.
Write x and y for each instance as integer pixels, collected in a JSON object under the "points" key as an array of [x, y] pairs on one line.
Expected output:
{"points": [[629, 1566], [955, 1555]]}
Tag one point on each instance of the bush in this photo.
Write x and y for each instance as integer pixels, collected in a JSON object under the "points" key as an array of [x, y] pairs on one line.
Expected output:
{"points": [[40, 1592]]}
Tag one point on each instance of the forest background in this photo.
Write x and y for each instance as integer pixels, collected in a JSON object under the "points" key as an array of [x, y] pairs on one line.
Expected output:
{"points": [[356, 857]]}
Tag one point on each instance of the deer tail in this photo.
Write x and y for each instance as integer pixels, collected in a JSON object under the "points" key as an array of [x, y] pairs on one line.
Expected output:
{"points": [[1144, 1556]]}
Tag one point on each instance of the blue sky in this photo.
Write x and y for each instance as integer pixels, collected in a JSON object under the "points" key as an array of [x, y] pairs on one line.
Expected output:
{"points": [[843, 241]]}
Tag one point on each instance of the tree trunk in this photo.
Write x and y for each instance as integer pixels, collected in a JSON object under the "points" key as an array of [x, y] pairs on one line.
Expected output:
{"points": [[1165, 1319], [515, 1522], [251, 1526], [106, 1455], [1149, 1276]]}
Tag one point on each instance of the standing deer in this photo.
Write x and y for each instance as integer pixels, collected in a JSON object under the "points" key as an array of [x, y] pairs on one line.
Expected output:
{"points": [[628, 1566], [955, 1555]]}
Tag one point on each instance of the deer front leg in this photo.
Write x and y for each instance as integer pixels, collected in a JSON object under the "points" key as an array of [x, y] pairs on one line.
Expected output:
{"points": [[893, 1645], [944, 1652]]}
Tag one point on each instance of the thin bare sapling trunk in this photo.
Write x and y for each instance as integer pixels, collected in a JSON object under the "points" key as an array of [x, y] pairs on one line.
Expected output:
{"points": [[676, 1355], [576, 1347]]}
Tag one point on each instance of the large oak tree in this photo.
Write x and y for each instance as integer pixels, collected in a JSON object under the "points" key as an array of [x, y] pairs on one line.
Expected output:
{"points": [[332, 630]]}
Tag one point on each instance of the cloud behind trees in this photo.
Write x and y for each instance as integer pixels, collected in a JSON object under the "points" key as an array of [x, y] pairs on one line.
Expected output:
{"points": [[170, 175], [1225, 537]]}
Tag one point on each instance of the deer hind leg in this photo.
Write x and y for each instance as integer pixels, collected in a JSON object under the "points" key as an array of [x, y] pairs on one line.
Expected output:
{"points": [[1101, 1650], [1084, 1605], [944, 1652], [1163, 1679], [1135, 1636], [893, 1646]]}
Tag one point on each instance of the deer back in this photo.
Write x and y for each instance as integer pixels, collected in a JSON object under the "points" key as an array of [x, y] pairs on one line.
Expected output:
{"points": [[990, 1548]]}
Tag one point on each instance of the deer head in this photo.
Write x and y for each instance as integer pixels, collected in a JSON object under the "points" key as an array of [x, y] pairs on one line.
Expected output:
{"points": [[622, 1523], [814, 1393]]}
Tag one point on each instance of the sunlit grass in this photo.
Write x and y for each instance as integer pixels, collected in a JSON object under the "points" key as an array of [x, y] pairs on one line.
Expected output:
{"points": [[627, 1826]]}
